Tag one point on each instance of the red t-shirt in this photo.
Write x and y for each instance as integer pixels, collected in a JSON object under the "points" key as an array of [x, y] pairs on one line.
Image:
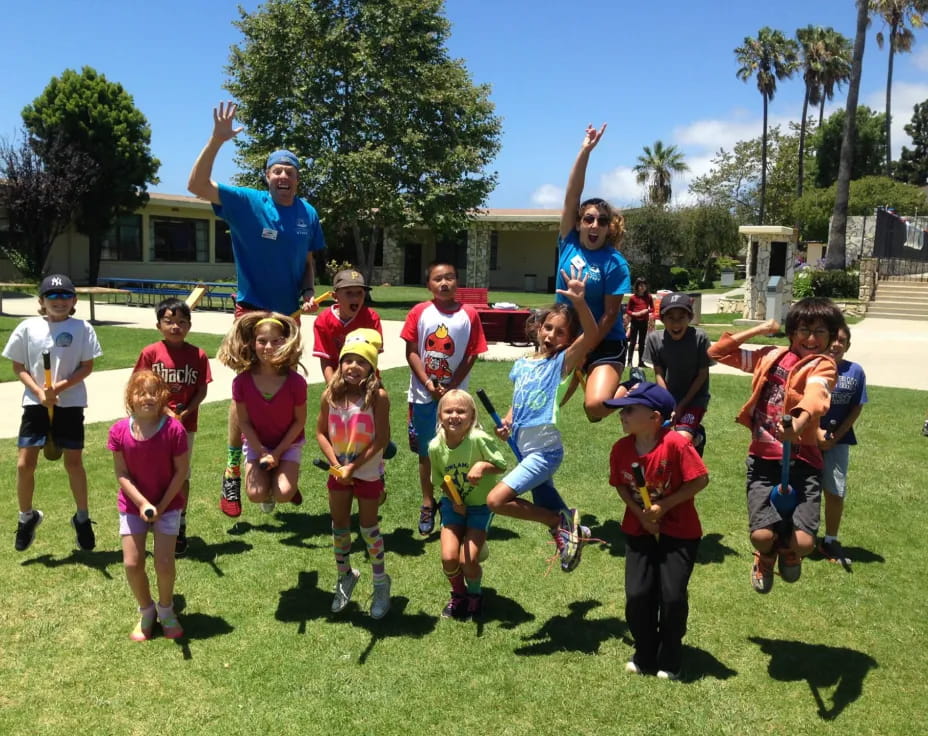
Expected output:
{"points": [[673, 462], [636, 303], [329, 331], [767, 413], [183, 368]]}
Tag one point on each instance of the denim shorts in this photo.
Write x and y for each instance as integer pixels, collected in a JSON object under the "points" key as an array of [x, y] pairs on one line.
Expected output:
{"points": [[536, 468], [477, 517], [421, 426], [168, 523], [67, 427], [834, 474]]}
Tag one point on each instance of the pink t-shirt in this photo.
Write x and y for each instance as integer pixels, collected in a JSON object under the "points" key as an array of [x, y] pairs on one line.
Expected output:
{"points": [[271, 417], [329, 331], [184, 369], [150, 462]]}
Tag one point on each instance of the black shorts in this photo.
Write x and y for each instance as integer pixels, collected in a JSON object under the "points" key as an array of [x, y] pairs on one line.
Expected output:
{"points": [[608, 352], [67, 427], [763, 475]]}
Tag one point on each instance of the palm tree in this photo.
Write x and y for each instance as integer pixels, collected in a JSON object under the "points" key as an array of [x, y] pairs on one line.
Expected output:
{"points": [[826, 61], [836, 256], [900, 16], [771, 56], [656, 168]]}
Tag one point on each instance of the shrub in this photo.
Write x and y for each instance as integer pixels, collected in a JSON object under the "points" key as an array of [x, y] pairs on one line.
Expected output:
{"points": [[657, 275], [831, 284], [679, 278], [333, 267]]}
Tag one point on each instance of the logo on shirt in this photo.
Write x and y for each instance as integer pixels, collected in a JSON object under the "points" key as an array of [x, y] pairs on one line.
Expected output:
{"points": [[63, 340], [176, 378], [439, 348]]}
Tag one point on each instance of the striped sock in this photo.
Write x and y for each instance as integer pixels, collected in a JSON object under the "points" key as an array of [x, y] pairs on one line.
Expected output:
{"points": [[456, 580], [374, 541], [341, 543], [234, 462]]}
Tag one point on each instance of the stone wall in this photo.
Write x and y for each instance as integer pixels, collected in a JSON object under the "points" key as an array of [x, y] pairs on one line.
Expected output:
{"points": [[478, 256], [869, 272]]}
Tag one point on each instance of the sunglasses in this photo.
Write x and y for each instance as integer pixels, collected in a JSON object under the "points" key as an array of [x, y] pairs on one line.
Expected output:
{"points": [[59, 295], [602, 220]]}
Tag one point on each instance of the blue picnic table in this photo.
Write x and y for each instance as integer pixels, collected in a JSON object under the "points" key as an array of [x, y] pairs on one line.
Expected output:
{"points": [[148, 291]]}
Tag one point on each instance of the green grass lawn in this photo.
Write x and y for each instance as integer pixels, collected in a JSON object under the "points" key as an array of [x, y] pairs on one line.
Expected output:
{"points": [[836, 653]]}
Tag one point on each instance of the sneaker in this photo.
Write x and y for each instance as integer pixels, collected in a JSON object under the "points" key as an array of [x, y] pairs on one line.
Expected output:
{"points": [[344, 587], [25, 531], [925, 429], [230, 503], [456, 607], [632, 668], [474, 606], [427, 519], [762, 572], [567, 532], [665, 675], [834, 552], [180, 544], [790, 565], [169, 624], [583, 539], [268, 506], [636, 375], [86, 539], [381, 601], [297, 498], [142, 630]]}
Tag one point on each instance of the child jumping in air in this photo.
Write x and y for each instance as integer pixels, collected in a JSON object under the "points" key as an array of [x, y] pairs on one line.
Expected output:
{"points": [[470, 457], [796, 381], [151, 460], [352, 429], [270, 401], [540, 382]]}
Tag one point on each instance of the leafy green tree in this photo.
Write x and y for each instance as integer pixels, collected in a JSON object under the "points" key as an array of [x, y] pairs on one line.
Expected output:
{"points": [[709, 232], [912, 166], [656, 167], [770, 57], [39, 199], [900, 17], [813, 209], [655, 233], [396, 131], [869, 146]]}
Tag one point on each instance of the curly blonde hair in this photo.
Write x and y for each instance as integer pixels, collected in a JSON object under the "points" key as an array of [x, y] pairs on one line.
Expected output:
{"points": [[146, 380], [337, 390], [616, 219], [237, 350]]}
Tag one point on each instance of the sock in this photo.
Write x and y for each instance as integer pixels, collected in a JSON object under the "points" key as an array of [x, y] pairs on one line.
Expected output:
{"points": [[473, 585], [341, 543], [147, 615], [82, 515], [25, 516], [164, 611], [183, 519], [234, 462], [456, 579], [374, 542], [829, 539]]}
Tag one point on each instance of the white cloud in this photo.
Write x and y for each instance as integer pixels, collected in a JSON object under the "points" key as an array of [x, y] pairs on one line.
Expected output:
{"points": [[920, 59], [620, 187], [548, 196], [905, 96]]}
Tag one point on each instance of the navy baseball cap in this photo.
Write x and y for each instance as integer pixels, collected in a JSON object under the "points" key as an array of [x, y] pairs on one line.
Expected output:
{"points": [[650, 395], [56, 282], [675, 301], [282, 157]]}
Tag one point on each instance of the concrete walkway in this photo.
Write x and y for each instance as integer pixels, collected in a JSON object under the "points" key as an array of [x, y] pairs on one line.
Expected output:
{"points": [[892, 352]]}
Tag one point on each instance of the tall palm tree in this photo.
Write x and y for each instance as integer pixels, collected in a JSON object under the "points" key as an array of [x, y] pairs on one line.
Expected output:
{"points": [[900, 16], [825, 61], [771, 56], [836, 255], [656, 168]]}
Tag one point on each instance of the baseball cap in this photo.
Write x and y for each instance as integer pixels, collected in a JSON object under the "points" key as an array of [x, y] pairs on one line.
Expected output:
{"points": [[56, 282], [364, 342], [650, 395], [677, 300], [347, 278], [282, 157]]}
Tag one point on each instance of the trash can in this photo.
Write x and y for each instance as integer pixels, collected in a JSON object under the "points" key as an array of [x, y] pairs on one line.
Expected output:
{"points": [[529, 282], [775, 302]]}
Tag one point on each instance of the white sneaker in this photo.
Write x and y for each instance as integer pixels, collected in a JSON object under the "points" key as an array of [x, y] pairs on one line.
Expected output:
{"points": [[344, 587], [380, 604], [665, 675], [267, 506], [632, 668]]}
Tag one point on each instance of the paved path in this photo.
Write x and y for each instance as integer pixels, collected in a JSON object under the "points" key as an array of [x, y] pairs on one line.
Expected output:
{"points": [[893, 353]]}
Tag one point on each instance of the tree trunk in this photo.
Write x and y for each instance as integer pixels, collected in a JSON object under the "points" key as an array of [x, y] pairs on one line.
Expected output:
{"points": [[889, 99], [365, 256], [821, 110], [763, 164], [836, 256], [802, 143]]}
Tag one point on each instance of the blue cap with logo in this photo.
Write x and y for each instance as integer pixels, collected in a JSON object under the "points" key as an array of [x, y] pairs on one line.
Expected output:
{"points": [[650, 395], [56, 282]]}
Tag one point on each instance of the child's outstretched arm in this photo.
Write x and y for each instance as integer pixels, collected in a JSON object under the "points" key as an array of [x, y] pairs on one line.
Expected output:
{"points": [[589, 338], [728, 349], [577, 178]]}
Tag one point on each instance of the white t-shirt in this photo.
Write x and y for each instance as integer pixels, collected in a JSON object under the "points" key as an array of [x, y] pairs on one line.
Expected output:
{"points": [[70, 343]]}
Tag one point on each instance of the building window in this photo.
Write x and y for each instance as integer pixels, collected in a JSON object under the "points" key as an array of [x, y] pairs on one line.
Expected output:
{"points": [[179, 239], [494, 250], [223, 242], [123, 242]]}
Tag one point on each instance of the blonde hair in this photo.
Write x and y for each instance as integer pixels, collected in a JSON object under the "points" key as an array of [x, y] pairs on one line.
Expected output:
{"points": [[464, 398], [141, 380], [616, 219], [237, 349], [337, 390]]}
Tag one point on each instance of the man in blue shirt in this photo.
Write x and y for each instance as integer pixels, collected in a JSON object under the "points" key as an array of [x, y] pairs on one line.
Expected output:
{"points": [[274, 236]]}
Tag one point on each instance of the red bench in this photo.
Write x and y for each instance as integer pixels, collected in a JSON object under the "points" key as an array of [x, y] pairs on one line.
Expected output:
{"points": [[499, 325], [475, 296]]}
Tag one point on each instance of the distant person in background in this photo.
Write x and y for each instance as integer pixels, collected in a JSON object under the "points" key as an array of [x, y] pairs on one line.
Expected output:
{"points": [[639, 311]]}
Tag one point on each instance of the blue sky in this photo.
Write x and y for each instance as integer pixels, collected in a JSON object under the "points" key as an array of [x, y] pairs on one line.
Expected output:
{"points": [[664, 71]]}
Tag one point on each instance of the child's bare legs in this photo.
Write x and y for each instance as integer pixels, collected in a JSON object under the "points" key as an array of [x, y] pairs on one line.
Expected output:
{"points": [[764, 540], [133, 560], [340, 509], [284, 479], [503, 500], [834, 510], [165, 568], [77, 477], [26, 461], [370, 533], [470, 552], [257, 483], [425, 481], [452, 557], [601, 384]]}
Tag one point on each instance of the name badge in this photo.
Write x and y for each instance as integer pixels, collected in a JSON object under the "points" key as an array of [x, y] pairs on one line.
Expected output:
{"points": [[577, 262], [269, 233]]}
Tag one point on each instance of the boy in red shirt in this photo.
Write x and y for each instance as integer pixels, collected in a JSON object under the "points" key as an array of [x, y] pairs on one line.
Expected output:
{"points": [[661, 539], [185, 369]]}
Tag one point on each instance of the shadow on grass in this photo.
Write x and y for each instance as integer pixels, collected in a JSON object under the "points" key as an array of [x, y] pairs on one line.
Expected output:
{"points": [[573, 633], [199, 551], [857, 555], [612, 535], [307, 602], [300, 527], [821, 667], [699, 664], [198, 626], [506, 611], [98, 560], [405, 542], [712, 551]]}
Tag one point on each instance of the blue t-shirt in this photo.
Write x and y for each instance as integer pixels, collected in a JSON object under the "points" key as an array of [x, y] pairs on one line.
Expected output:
{"points": [[849, 391], [270, 244], [539, 385], [608, 276]]}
